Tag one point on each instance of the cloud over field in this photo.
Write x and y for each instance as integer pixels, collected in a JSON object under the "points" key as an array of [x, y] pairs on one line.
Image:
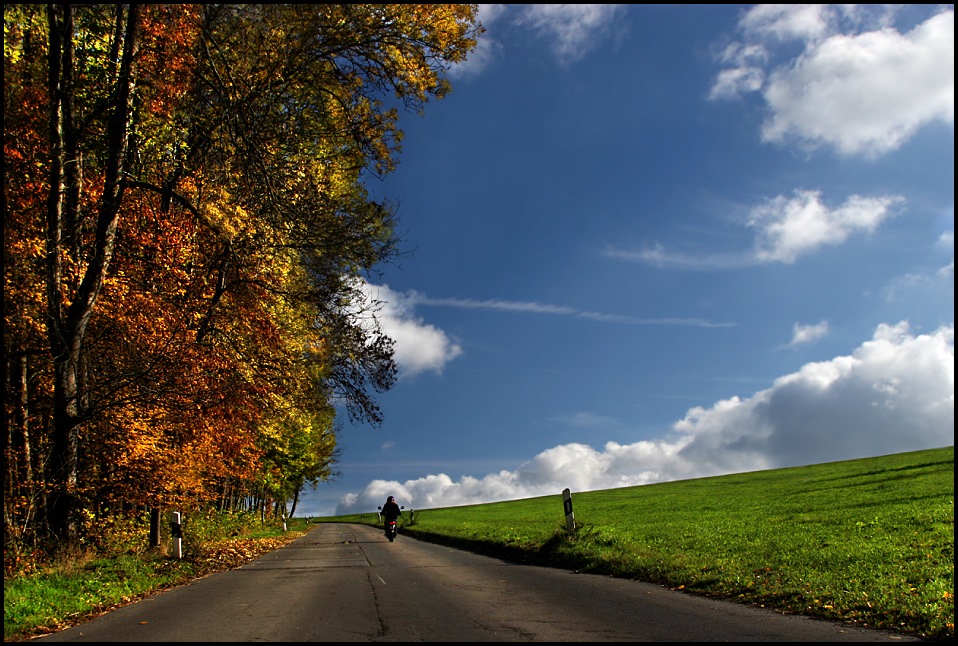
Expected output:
{"points": [[894, 393]]}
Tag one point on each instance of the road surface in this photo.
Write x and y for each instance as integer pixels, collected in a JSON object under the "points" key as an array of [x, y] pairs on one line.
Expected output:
{"points": [[348, 583]]}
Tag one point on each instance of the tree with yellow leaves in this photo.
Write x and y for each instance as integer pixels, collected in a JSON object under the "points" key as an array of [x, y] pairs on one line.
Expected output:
{"points": [[185, 220]]}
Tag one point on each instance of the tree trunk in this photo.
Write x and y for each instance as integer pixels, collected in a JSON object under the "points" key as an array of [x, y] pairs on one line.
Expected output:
{"points": [[292, 509], [19, 502], [67, 324]]}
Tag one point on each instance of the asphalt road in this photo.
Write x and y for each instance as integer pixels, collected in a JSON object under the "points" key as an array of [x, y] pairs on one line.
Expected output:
{"points": [[348, 583]]}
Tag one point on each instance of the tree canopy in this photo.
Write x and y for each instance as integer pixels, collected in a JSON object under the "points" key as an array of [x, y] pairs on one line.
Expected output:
{"points": [[186, 228]]}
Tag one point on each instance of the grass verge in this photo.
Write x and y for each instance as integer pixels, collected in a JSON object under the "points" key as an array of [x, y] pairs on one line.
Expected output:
{"points": [[81, 586]]}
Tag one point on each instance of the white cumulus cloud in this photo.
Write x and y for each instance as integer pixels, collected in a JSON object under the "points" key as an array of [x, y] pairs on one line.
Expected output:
{"points": [[793, 226], [863, 90], [419, 346], [894, 393]]}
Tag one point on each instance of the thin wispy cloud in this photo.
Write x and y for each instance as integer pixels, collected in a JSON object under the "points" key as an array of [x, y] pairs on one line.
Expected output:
{"points": [[858, 85], [488, 48], [572, 31], [947, 240], [933, 281], [422, 347], [587, 420], [802, 334], [937, 283], [787, 228], [658, 256], [531, 307]]}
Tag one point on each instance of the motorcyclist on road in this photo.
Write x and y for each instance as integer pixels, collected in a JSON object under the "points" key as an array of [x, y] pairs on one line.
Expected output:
{"points": [[390, 511]]}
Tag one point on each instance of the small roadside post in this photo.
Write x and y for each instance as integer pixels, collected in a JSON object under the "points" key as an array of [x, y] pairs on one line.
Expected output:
{"points": [[176, 533], [569, 516]]}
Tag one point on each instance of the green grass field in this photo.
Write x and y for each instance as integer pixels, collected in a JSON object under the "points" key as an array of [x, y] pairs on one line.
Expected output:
{"points": [[869, 541]]}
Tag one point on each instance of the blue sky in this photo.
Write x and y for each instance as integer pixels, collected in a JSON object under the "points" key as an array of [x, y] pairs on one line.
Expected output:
{"points": [[658, 242]]}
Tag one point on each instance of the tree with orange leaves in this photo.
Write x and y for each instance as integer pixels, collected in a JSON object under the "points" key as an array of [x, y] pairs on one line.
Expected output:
{"points": [[185, 220]]}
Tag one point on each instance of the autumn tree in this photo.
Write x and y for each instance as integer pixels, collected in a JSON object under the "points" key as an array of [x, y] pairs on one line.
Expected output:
{"points": [[185, 223]]}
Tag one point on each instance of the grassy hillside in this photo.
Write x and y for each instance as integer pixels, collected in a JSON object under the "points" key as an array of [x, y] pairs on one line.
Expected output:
{"points": [[869, 541]]}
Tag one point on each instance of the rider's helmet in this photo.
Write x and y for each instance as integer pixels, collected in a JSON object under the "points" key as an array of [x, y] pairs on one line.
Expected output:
{"points": [[391, 499]]}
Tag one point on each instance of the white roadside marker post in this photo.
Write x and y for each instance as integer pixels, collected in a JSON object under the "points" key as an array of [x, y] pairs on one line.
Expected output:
{"points": [[176, 533]]}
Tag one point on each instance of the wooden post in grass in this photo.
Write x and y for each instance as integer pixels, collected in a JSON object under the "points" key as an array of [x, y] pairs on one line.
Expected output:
{"points": [[569, 516], [155, 519]]}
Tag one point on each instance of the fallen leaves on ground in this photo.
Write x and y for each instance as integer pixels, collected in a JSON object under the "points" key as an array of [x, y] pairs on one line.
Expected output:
{"points": [[234, 552]]}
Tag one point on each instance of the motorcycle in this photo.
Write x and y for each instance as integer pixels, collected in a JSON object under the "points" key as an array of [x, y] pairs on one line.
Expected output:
{"points": [[392, 527]]}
